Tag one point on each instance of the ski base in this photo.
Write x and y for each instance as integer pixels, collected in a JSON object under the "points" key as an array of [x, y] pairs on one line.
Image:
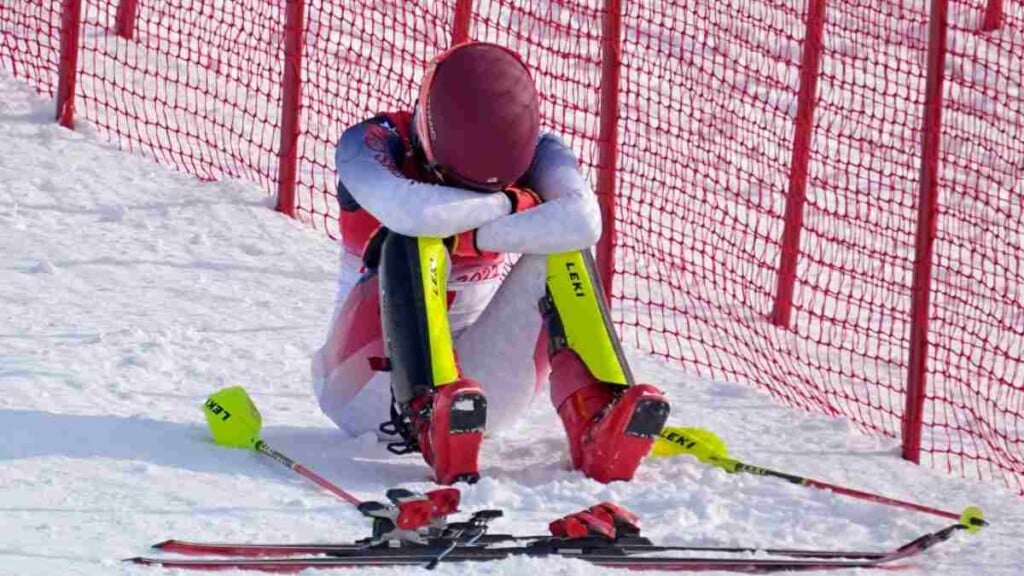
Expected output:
{"points": [[603, 554], [642, 563], [632, 545]]}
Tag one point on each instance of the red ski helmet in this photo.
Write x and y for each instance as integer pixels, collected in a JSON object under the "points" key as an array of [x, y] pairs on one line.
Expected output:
{"points": [[478, 116]]}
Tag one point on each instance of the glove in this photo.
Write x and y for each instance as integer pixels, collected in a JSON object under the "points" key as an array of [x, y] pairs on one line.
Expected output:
{"points": [[464, 245], [522, 199]]}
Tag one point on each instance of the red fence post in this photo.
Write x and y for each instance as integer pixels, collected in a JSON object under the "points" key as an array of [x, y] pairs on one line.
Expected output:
{"points": [[927, 220], [463, 16], [291, 104], [70, 25], [124, 21], [608, 139], [807, 98], [993, 16]]}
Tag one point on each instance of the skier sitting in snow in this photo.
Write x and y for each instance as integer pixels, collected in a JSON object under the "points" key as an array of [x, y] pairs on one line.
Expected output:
{"points": [[432, 202]]}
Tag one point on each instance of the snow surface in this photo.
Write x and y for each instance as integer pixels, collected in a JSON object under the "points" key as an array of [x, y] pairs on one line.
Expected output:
{"points": [[129, 292]]}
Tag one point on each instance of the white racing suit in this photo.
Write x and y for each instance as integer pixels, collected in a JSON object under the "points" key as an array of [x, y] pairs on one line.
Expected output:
{"points": [[493, 304]]}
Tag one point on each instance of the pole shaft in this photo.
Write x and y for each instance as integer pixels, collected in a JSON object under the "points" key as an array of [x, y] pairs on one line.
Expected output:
{"points": [[463, 18], [880, 499], [291, 104], [70, 26], [608, 140], [799, 163], [859, 494], [306, 473], [124, 20], [927, 223], [993, 16]]}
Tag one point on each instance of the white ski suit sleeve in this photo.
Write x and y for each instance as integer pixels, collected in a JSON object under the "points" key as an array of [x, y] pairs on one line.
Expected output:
{"points": [[569, 218]]}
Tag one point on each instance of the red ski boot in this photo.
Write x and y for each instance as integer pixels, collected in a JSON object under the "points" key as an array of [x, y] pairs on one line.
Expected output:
{"points": [[609, 434], [450, 432]]}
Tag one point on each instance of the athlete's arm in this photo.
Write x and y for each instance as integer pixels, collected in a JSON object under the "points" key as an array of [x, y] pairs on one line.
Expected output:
{"points": [[368, 171], [569, 219]]}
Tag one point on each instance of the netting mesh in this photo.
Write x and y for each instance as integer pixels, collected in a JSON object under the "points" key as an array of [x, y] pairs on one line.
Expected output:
{"points": [[30, 42], [361, 58], [974, 411], [708, 102], [710, 95], [561, 42], [198, 87]]}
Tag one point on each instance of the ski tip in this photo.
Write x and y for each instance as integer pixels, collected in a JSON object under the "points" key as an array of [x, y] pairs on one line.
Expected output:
{"points": [[973, 519], [137, 560], [164, 544]]}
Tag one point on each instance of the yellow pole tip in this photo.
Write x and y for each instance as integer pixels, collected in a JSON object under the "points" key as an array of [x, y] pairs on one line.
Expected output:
{"points": [[973, 519]]}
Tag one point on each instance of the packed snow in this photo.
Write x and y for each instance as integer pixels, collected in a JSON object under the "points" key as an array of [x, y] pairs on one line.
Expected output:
{"points": [[128, 293]]}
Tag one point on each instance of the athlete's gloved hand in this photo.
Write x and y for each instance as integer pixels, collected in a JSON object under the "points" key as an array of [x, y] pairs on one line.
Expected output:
{"points": [[464, 245], [522, 198]]}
